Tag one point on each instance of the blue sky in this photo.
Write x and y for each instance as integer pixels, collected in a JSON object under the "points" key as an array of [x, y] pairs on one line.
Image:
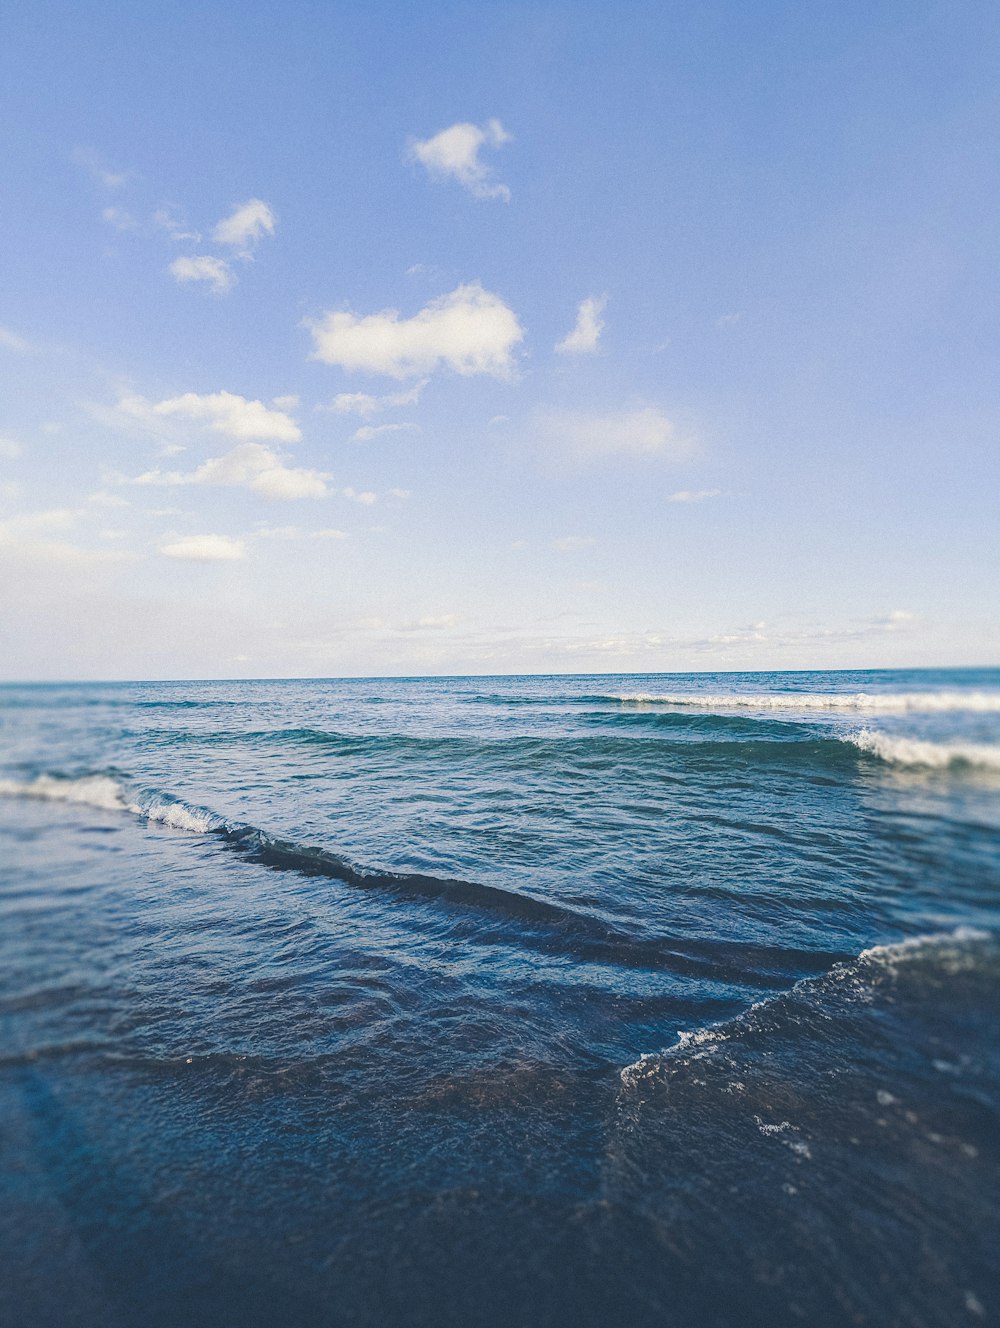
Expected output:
{"points": [[382, 338]]}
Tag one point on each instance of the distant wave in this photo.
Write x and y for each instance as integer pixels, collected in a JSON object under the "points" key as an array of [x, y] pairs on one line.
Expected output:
{"points": [[885, 702], [921, 754], [852, 982], [186, 703]]}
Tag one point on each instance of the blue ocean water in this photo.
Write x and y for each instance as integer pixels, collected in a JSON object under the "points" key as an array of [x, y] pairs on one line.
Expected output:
{"points": [[547, 1000]]}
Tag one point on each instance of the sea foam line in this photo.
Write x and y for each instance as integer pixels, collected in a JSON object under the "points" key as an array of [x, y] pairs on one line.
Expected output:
{"points": [[921, 754], [885, 702], [853, 980]]}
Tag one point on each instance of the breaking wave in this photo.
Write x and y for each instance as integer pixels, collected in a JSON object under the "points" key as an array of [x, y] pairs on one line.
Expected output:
{"points": [[884, 702], [920, 754], [812, 1001], [109, 794], [91, 790]]}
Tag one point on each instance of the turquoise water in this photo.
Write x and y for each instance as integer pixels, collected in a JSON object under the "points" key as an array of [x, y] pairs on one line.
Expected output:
{"points": [[558, 1000]]}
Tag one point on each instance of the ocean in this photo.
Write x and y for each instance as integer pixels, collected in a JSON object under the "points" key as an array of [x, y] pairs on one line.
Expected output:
{"points": [[594, 1000]]}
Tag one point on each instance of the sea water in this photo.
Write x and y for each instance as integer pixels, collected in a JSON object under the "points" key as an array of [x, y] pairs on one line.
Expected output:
{"points": [[601, 1000]]}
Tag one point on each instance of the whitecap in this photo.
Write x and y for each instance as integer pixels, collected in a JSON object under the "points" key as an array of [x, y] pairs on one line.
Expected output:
{"points": [[922, 754], [854, 980], [173, 812], [885, 702], [91, 790], [109, 794]]}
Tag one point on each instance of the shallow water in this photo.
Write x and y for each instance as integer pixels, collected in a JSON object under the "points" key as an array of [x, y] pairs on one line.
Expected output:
{"points": [[596, 1000]]}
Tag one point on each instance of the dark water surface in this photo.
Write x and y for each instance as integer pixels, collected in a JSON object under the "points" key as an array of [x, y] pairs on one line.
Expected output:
{"points": [[531, 1001]]}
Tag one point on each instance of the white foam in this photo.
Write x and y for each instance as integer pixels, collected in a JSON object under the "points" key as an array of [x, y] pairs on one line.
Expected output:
{"points": [[92, 790], [951, 954], [926, 755], [950, 951], [885, 702], [700, 1037], [107, 794], [199, 820], [768, 1130]]}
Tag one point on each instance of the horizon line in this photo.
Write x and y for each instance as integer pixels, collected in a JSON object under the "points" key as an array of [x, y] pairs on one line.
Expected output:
{"points": [[451, 677]]}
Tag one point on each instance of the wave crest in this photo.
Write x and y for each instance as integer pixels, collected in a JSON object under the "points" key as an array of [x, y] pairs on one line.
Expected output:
{"points": [[852, 982], [921, 754], [108, 794], [99, 791], [884, 702]]}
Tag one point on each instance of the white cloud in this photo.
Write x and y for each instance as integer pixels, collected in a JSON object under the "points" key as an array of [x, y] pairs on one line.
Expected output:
{"points": [[104, 499], [693, 495], [28, 537], [96, 167], [251, 466], [235, 416], [433, 623], [287, 483], [279, 532], [643, 432], [119, 219], [288, 402], [455, 151], [469, 330], [365, 497], [205, 549], [355, 403], [369, 431], [753, 632], [366, 405], [178, 230], [134, 413], [296, 533], [60, 554], [589, 323], [215, 271], [35, 523], [9, 448], [609, 645], [571, 543], [898, 619], [245, 226], [11, 341]]}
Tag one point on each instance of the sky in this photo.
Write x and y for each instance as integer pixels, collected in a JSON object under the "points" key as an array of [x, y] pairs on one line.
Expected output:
{"points": [[349, 339]]}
